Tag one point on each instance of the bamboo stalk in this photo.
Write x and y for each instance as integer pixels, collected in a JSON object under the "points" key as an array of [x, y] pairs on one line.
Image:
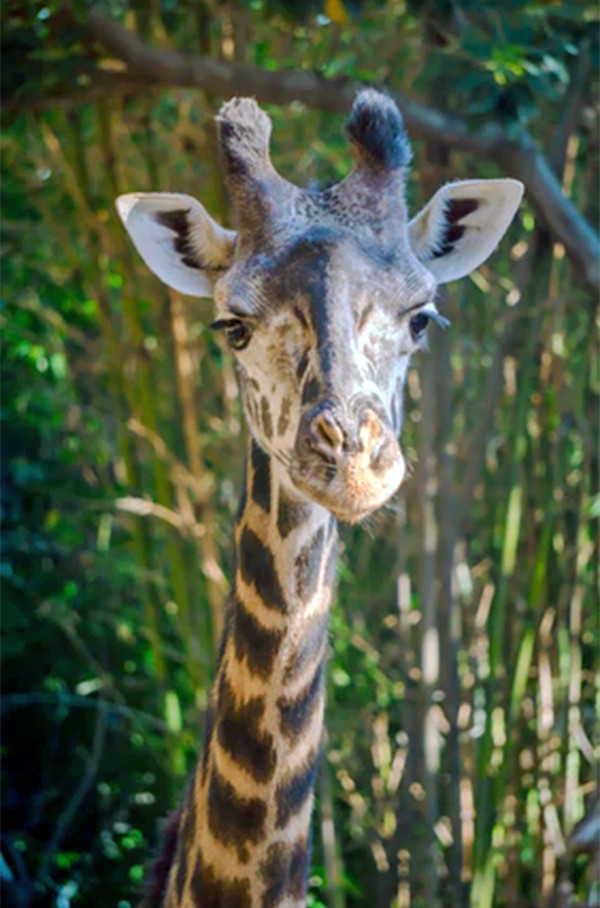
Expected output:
{"points": [[495, 686], [449, 623], [144, 406], [424, 857], [75, 169], [334, 871], [186, 386]]}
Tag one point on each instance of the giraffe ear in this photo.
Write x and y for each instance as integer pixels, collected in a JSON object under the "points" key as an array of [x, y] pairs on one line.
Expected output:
{"points": [[177, 239], [462, 225]]}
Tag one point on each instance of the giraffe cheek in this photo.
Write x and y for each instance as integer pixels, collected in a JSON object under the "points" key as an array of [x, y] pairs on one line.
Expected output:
{"points": [[365, 488]]}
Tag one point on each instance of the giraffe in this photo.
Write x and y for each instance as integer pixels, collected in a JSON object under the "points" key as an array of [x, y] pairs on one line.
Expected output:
{"points": [[322, 297]]}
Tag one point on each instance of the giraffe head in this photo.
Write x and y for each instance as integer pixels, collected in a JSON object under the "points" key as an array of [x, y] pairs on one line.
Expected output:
{"points": [[323, 296]]}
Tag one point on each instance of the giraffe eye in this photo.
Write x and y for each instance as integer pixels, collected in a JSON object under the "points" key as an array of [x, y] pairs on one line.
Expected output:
{"points": [[237, 332], [238, 335], [418, 324]]}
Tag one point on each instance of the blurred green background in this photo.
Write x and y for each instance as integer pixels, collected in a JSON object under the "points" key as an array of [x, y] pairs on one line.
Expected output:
{"points": [[460, 758]]}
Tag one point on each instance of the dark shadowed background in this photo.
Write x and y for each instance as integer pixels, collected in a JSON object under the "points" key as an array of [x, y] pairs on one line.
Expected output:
{"points": [[459, 762]]}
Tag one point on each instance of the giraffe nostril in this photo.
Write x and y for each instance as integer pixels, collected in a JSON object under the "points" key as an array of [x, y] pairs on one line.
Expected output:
{"points": [[370, 435], [326, 437], [329, 430]]}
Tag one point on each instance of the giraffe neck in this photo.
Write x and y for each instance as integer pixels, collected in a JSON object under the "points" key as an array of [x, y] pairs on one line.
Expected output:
{"points": [[245, 828]]}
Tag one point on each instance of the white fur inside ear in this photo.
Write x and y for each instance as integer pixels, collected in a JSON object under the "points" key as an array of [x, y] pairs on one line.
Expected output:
{"points": [[177, 239], [462, 225]]}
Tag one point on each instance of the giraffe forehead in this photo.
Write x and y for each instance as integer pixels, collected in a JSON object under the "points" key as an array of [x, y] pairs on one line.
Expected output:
{"points": [[322, 274]]}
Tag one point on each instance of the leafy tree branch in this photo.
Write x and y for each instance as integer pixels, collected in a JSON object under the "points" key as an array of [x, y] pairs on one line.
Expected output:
{"points": [[517, 157], [145, 67]]}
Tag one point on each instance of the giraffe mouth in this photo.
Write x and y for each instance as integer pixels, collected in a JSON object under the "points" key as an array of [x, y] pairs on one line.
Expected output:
{"points": [[350, 489]]}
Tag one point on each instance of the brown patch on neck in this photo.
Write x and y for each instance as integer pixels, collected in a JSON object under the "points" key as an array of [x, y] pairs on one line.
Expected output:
{"points": [[257, 566], [291, 513], [285, 871]]}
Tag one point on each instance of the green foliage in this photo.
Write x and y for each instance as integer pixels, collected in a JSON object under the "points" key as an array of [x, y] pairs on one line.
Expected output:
{"points": [[461, 698]]}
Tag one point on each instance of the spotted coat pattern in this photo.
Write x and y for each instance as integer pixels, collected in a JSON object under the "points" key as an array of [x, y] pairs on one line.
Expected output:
{"points": [[319, 300]]}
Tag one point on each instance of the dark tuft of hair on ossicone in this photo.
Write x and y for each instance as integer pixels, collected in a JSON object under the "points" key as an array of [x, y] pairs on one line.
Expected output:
{"points": [[377, 129]]}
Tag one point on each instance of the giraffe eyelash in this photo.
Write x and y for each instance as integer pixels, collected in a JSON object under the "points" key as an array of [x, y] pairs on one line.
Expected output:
{"points": [[221, 324], [435, 316]]}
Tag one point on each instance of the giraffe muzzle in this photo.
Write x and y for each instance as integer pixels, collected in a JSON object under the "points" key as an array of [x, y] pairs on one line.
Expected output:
{"points": [[349, 465]]}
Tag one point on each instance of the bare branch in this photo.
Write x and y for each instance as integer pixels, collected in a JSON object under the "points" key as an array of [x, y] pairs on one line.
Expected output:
{"points": [[178, 471], [41, 698], [69, 812], [143, 507], [105, 83]]}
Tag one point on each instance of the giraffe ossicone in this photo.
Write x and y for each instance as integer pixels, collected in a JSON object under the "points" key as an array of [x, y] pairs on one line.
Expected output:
{"points": [[322, 298]]}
